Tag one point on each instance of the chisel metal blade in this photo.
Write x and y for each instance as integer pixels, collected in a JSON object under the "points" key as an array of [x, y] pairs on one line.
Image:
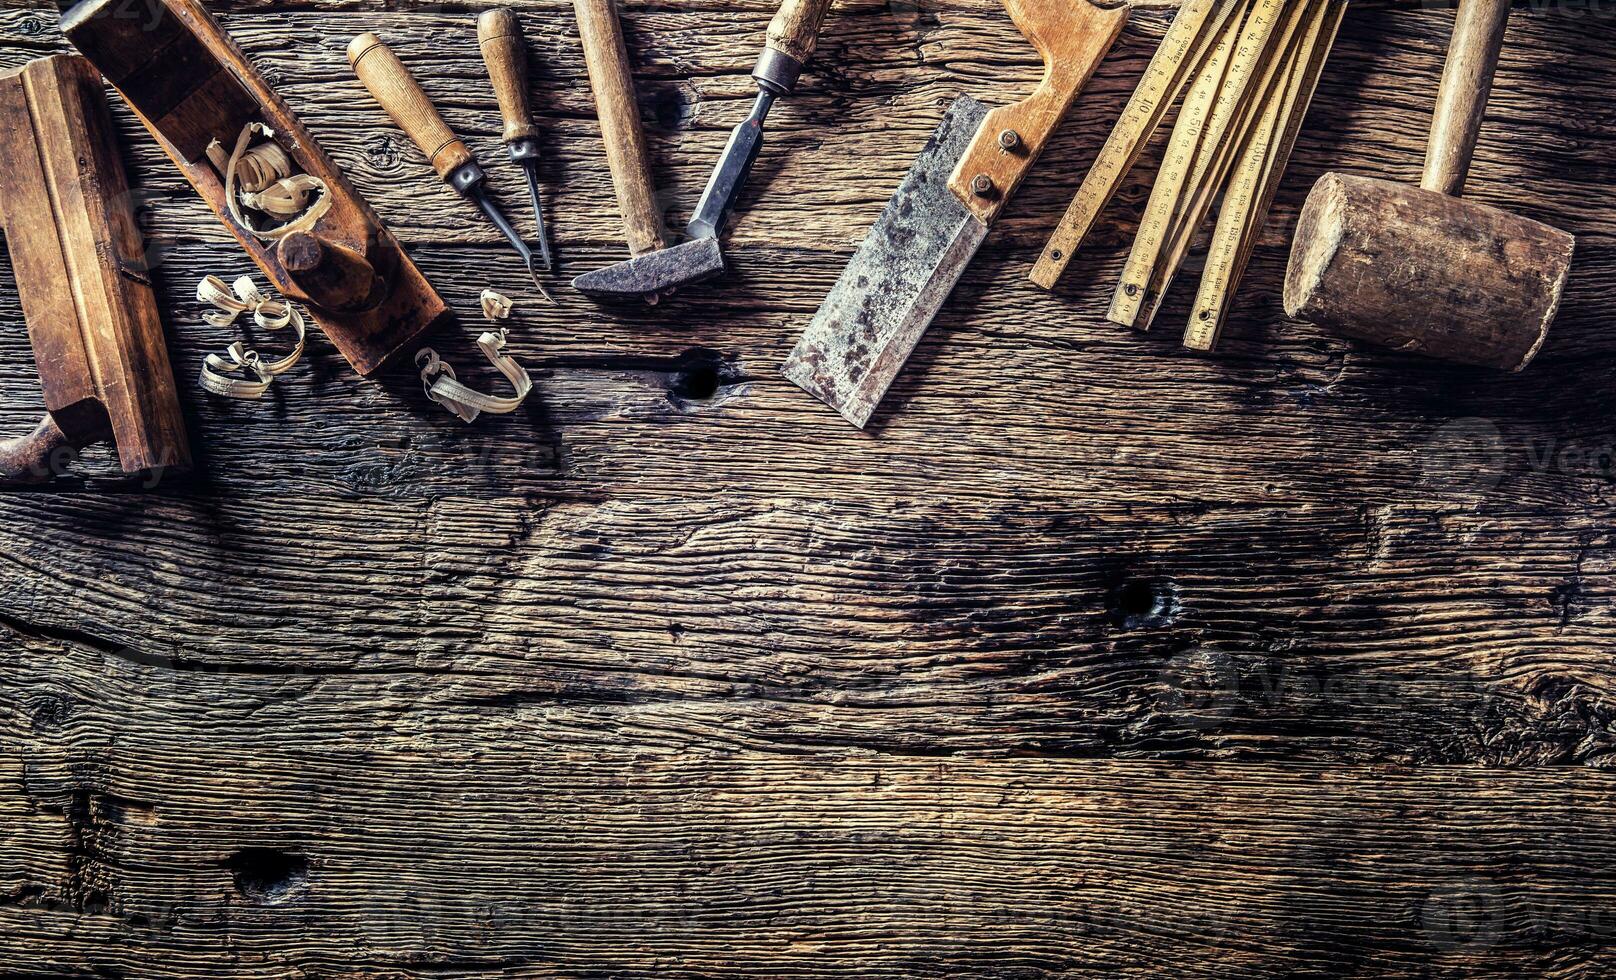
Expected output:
{"points": [[897, 281]]}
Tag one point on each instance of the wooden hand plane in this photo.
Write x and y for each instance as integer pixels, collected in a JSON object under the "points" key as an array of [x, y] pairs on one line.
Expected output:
{"points": [[77, 254], [195, 89]]}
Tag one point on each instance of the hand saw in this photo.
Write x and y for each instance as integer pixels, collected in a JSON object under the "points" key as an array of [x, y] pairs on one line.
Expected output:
{"points": [[908, 265]]}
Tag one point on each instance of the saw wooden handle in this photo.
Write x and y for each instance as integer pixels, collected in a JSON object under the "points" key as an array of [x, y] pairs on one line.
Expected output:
{"points": [[1467, 83], [401, 96], [1073, 37], [499, 34], [606, 57], [794, 31]]}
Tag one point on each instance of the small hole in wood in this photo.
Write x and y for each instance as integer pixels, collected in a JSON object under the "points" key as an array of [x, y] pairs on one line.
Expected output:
{"points": [[698, 382], [670, 106], [265, 876], [1141, 603]]}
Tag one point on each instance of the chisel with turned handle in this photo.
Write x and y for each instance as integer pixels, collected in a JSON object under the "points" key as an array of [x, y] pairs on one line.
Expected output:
{"points": [[392, 85]]}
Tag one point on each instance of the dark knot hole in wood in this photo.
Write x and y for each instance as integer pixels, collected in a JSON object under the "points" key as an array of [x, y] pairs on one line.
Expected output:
{"points": [[698, 375], [267, 876], [1144, 603]]}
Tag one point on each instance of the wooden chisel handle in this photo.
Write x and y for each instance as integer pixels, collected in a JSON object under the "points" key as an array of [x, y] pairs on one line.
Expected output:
{"points": [[793, 35], [1467, 83], [613, 86], [396, 89], [499, 34]]}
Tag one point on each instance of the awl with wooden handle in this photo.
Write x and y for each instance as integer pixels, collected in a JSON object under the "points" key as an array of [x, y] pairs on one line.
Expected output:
{"points": [[499, 35], [793, 35], [392, 85], [934, 225]]}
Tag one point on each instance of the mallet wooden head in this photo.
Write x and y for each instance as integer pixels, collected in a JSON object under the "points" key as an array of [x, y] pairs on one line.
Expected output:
{"points": [[1419, 269]]}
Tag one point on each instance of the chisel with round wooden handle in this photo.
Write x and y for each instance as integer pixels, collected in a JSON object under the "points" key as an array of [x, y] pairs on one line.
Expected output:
{"points": [[499, 35], [793, 35], [392, 85]]}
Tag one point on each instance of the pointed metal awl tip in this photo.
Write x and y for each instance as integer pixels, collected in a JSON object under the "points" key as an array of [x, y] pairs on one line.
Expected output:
{"points": [[539, 283]]}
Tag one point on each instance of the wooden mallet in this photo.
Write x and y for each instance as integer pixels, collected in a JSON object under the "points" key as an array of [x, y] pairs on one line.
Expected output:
{"points": [[1418, 269]]}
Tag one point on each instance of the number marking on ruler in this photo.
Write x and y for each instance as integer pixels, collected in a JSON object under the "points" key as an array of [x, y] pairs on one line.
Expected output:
{"points": [[1184, 48], [1213, 163], [1244, 61], [1257, 179]]}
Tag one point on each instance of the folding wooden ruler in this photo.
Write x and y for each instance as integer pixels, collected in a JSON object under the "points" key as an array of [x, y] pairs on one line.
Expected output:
{"points": [[1261, 168], [1247, 70]]}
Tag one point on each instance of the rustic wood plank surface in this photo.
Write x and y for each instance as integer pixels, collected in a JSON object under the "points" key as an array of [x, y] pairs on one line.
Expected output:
{"points": [[1093, 657]]}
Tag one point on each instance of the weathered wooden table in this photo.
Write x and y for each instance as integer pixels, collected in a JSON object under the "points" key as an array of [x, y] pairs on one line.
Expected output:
{"points": [[1093, 657]]}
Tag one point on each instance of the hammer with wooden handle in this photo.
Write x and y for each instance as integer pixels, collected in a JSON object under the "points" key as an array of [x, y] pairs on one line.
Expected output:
{"points": [[611, 81], [792, 36], [1418, 269]]}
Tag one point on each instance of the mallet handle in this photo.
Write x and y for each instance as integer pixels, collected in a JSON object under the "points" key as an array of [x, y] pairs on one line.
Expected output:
{"points": [[1467, 83]]}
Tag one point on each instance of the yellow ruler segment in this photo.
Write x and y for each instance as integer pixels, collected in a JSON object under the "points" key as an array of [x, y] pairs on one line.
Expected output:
{"points": [[1181, 149], [1213, 162], [1257, 178], [1184, 48], [1195, 119]]}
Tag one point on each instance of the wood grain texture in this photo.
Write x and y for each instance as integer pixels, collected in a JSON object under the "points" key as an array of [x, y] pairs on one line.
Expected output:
{"points": [[1096, 659]]}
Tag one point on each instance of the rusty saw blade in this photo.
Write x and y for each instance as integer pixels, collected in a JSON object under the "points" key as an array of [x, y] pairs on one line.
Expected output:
{"points": [[898, 280], [909, 263]]}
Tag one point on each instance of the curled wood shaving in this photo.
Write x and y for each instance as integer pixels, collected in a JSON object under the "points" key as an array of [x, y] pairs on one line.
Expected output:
{"points": [[260, 177], [496, 306], [219, 372], [445, 389]]}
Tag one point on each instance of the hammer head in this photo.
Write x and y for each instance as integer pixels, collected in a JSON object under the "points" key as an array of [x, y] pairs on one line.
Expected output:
{"points": [[1421, 271], [655, 273]]}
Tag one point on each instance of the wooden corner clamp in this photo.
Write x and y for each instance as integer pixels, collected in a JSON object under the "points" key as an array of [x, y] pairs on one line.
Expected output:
{"points": [[261, 171], [78, 259]]}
